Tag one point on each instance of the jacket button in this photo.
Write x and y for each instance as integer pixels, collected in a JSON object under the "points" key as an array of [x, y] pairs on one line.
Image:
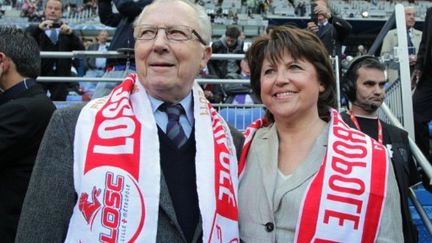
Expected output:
{"points": [[269, 227]]}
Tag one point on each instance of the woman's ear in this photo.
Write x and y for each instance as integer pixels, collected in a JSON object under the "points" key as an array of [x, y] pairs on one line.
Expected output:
{"points": [[322, 88]]}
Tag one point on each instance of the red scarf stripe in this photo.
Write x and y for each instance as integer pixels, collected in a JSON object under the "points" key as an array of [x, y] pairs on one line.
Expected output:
{"points": [[313, 201], [376, 200]]}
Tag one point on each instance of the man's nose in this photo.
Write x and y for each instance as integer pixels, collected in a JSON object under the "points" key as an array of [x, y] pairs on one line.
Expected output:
{"points": [[379, 90], [160, 41]]}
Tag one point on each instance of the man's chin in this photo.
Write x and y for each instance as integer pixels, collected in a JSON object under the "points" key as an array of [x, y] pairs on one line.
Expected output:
{"points": [[368, 106]]}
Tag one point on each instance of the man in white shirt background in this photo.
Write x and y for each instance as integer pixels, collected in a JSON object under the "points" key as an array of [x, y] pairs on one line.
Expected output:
{"points": [[96, 65]]}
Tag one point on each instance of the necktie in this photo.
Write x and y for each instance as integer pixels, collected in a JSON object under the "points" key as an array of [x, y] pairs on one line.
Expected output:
{"points": [[174, 130], [53, 36], [320, 29], [411, 48]]}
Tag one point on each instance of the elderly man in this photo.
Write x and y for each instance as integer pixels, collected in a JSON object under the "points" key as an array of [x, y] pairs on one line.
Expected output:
{"points": [[413, 37], [25, 111], [152, 162]]}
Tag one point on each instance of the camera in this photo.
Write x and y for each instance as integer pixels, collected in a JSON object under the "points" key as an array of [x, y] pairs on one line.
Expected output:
{"points": [[56, 25], [313, 16]]}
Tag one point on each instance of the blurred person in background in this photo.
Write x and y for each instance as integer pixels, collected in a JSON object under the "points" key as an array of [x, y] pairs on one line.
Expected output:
{"points": [[390, 41], [421, 80], [122, 40], [230, 43], [95, 65], [52, 34], [331, 29]]}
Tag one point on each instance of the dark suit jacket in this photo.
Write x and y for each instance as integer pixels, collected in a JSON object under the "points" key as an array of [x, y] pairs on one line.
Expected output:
{"points": [[53, 182], [23, 120], [333, 35], [424, 60], [65, 43], [405, 170], [220, 67], [122, 21]]}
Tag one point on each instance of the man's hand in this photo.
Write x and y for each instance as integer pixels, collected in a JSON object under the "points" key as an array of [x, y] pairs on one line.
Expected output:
{"points": [[312, 27], [65, 29], [416, 75], [46, 24], [208, 94], [412, 60]]}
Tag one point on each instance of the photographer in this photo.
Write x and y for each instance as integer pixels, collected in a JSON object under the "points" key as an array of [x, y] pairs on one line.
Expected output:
{"points": [[53, 35], [331, 29]]}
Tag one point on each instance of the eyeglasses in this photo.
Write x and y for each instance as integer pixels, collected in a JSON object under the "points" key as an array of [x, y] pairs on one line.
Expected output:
{"points": [[174, 32]]}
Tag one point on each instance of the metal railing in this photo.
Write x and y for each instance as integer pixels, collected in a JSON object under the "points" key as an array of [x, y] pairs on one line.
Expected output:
{"points": [[82, 54]]}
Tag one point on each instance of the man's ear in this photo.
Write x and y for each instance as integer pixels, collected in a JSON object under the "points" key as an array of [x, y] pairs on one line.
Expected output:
{"points": [[205, 56], [4, 62]]}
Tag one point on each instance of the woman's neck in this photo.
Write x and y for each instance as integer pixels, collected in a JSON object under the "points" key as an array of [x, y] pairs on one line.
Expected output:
{"points": [[296, 141]]}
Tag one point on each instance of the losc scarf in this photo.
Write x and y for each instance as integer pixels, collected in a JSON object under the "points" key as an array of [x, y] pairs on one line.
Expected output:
{"points": [[117, 170], [344, 201]]}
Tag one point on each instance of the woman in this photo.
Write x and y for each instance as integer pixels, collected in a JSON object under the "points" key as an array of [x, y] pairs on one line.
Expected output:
{"points": [[307, 176]]}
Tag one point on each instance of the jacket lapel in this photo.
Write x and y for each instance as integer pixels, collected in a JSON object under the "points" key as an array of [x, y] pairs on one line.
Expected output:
{"points": [[166, 205], [268, 141]]}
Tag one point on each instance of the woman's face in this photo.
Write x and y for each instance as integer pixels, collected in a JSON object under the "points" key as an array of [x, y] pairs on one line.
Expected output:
{"points": [[290, 87]]}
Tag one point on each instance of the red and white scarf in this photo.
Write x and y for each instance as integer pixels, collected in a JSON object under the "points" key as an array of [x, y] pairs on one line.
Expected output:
{"points": [[117, 170], [345, 198]]}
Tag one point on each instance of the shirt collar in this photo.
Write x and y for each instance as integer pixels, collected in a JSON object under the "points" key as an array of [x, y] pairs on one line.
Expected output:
{"points": [[16, 90], [186, 103], [324, 23]]}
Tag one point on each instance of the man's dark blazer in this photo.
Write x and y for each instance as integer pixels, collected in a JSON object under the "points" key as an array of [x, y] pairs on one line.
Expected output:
{"points": [[50, 175], [23, 120], [422, 97], [333, 35], [405, 170], [65, 43], [424, 59]]}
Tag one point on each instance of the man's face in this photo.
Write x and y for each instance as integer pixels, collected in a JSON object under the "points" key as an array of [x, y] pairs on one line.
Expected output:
{"points": [[370, 89], [231, 41], [321, 18], [410, 17], [103, 37], [167, 68], [53, 10]]}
